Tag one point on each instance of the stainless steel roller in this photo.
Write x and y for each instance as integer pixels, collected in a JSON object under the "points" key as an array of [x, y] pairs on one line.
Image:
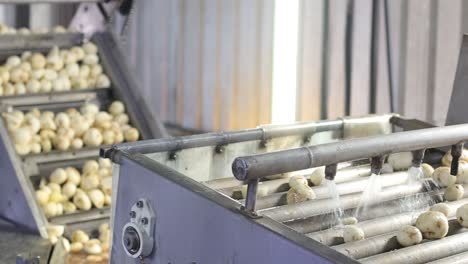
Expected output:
{"points": [[323, 192], [380, 225], [383, 243], [312, 207], [425, 252]]}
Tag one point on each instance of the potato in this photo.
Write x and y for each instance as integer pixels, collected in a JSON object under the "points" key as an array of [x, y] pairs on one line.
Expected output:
{"points": [[352, 233], [400, 161], [441, 207], [296, 181], [409, 236], [427, 169], [433, 225], [443, 177], [454, 192], [300, 194], [317, 176]]}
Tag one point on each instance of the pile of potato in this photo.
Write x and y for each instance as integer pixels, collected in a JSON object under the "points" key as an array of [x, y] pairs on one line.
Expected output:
{"points": [[6, 30], [82, 245], [59, 70], [454, 189], [36, 131], [67, 190]]}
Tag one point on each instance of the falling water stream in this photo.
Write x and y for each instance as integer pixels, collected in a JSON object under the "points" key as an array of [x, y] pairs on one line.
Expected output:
{"points": [[422, 199], [335, 196], [371, 191]]}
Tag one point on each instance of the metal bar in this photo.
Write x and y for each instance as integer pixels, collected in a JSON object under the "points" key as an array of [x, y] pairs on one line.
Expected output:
{"points": [[321, 222], [221, 138], [310, 208], [424, 252], [258, 166]]}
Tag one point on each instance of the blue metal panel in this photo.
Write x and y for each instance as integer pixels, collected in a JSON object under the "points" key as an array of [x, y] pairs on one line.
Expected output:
{"points": [[192, 227], [13, 203]]}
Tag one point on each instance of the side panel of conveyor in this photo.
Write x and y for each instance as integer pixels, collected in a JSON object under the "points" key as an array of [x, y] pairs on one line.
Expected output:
{"points": [[195, 224]]}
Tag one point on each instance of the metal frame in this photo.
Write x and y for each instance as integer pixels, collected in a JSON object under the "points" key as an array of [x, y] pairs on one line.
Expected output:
{"points": [[182, 203], [17, 199]]}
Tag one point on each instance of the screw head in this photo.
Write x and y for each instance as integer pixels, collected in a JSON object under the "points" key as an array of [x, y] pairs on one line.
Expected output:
{"points": [[132, 214], [173, 156], [139, 204], [144, 220]]}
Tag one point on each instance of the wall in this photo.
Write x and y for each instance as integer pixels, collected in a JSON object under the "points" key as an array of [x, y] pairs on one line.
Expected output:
{"points": [[207, 63]]}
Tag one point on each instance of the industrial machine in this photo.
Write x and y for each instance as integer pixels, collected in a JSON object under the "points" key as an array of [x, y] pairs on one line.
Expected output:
{"points": [[178, 202]]}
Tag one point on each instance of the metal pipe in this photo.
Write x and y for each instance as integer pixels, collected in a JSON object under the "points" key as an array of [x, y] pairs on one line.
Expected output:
{"points": [[282, 184], [251, 196], [321, 222], [455, 259], [456, 153], [418, 157], [221, 138], [425, 252], [258, 166], [330, 171], [384, 243], [380, 225], [310, 208], [323, 192], [376, 164]]}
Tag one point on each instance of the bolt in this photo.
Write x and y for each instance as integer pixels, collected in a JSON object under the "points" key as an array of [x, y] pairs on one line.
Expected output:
{"points": [[144, 220], [139, 204], [219, 149], [173, 156], [132, 214]]}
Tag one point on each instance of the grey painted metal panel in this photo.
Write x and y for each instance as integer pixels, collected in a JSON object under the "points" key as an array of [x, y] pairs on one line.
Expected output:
{"points": [[197, 225]]}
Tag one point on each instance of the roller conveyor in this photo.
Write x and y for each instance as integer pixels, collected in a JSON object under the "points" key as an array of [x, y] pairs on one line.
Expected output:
{"points": [[272, 215]]}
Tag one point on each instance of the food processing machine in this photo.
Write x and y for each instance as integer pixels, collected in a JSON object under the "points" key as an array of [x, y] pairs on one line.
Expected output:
{"points": [[178, 202], [21, 174]]}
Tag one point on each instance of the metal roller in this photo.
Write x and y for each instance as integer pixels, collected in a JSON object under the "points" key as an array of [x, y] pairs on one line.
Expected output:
{"points": [[312, 207], [425, 252], [281, 185], [455, 259], [381, 225], [383, 243], [322, 192], [258, 166], [321, 222]]}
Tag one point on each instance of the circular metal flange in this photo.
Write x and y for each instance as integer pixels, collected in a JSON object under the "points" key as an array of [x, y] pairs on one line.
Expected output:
{"points": [[137, 235]]}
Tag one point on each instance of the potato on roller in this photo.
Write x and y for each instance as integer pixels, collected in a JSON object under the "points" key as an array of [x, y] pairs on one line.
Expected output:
{"points": [[400, 161], [462, 215], [408, 236], [441, 207], [297, 180], [352, 233], [300, 194], [433, 225], [454, 192], [427, 169], [443, 177], [317, 176]]}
